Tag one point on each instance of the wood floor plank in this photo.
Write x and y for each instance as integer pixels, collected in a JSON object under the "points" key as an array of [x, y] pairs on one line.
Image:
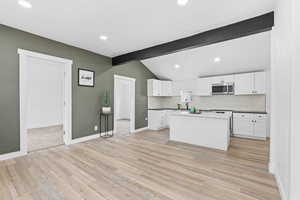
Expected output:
{"points": [[143, 166]]}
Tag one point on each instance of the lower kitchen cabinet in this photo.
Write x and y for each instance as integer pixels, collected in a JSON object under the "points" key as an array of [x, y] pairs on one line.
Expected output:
{"points": [[159, 119], [156, 119], [250, 125]]}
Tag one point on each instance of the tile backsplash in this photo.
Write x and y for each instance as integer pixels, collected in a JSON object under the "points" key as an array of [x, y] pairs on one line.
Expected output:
{"points": [[246, 103]]}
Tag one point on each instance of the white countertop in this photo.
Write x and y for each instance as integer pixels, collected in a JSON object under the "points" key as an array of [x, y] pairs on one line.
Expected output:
{"points": [[204, 115]]}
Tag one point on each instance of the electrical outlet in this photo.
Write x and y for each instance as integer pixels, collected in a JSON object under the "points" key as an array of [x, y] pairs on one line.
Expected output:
{"points": [[95, 128], [146, 118]]}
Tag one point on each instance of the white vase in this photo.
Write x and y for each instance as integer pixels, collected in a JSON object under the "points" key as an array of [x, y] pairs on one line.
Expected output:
{"points": [[106, 109]]}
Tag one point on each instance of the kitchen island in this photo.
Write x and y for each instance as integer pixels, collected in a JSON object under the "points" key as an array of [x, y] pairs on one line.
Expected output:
{"points": [[206, 129]]}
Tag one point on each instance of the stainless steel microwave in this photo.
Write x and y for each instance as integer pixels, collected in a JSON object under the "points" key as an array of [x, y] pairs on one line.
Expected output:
{"points": [[223, 89]]}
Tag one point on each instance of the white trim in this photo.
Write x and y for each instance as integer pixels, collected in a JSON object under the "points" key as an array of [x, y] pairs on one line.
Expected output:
{"points": [[280, 187], [132, 101], [12, 155], [23, 76], [43, 56], [141, 130], [124, 78], [84, 139], [271, 167]]}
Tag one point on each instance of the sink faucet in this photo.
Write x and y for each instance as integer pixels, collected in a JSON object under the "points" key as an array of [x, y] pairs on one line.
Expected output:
{"points": [[187, 106]]}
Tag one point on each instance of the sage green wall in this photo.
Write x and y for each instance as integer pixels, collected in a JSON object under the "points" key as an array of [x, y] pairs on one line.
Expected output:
{"points": [[86, 101]]}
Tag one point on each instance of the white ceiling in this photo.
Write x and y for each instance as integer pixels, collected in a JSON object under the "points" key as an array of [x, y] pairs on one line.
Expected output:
{"points": [[130, 25], [240, 55]]}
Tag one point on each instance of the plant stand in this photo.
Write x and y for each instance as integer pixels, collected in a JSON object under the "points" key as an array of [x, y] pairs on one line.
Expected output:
{"points": [[106, 116]]}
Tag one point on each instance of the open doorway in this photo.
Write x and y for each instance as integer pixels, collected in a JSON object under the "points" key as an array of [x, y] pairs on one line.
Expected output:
{"points": [[45, 101], [124, 105]]}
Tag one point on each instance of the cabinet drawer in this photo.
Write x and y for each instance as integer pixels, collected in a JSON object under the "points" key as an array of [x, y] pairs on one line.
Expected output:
{"points": [[259, 116], [242, 115]]}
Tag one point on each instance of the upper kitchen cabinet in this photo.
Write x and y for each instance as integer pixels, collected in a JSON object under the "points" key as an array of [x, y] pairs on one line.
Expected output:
{"points": [[260, 82], [186, 85], [166, 87], [159, 88], [222, 79], [204, 87], [250, 83]]}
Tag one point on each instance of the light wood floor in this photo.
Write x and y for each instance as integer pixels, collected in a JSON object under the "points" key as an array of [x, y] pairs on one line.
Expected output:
{"points": [[141, 167], [43, 138], [123, 127]]}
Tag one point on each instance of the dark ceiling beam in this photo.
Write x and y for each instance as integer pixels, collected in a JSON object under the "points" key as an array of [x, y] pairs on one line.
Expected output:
{"points": [[240, 29]]}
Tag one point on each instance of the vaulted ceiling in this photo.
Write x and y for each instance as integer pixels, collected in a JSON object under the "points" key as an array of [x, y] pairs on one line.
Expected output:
{"points": [[251, 53], [129, 25]]}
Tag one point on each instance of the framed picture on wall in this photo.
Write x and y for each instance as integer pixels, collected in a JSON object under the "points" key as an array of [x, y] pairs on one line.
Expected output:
{"points": [[86, 78]]}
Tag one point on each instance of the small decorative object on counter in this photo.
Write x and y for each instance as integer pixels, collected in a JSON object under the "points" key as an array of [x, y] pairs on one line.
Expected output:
{"points": [[193, 110], [106, 103]]}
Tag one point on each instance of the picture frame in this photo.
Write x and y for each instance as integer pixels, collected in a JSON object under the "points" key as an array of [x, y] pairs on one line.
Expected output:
{"points": [[86, 77]]}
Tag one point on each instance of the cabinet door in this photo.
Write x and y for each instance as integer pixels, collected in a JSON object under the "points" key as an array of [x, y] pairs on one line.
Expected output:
{"points": [[260, 128], [153, 87], [243, 84], [157, 91], [156, 119], [259, 83], [203, 87], [243, 126], [166, 88], [222, 79], [176, 88]]}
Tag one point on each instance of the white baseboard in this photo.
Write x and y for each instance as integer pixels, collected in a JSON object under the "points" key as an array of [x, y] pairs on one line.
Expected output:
{"points": [[140, 129], [271, 168], [280, 184], [281, 189], [12, 155], [84, 139]]}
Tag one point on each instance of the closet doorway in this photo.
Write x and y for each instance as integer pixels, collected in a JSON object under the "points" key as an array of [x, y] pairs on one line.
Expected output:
{"points": [[124, 105]]}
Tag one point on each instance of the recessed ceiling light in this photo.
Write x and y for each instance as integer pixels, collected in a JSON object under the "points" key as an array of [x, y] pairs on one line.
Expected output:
{"points": [[217, 59], [103, 37], [182, 2], [25, 4], [177, 66]]}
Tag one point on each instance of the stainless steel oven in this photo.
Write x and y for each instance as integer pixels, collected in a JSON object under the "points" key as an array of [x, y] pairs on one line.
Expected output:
{"points": [[223, 89]]}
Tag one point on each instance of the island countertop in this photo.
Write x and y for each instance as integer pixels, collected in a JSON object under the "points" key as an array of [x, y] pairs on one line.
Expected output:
{"points": [[204, 115]]}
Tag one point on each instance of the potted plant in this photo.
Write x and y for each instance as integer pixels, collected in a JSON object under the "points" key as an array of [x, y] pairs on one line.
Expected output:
{"points": [[106, 103]]}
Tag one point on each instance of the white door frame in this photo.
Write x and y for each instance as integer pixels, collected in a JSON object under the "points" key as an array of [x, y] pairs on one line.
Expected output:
{"points": [[23, 84], [132, 101]]}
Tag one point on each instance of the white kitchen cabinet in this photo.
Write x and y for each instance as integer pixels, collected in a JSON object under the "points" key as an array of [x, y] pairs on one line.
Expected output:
{"points": [[204, 87], [185, 85], [159, 119], [166, 87], [159, 88], [153, 87], [250, 125], [250, 83], [156, 119], [259, 82], [242, 125], [222, 79], [243, 84], [260, 128]]}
